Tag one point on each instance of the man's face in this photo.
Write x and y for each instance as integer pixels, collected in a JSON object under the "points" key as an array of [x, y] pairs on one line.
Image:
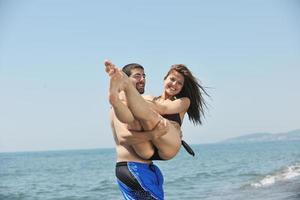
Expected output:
{"points": [[138, 78]]}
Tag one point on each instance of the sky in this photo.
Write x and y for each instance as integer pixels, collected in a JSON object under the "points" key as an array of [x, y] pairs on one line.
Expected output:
{"points": [[53, 88]]}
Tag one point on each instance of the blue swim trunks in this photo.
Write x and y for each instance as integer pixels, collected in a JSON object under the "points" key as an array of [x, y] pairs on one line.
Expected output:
{"points": [[140, 181]]}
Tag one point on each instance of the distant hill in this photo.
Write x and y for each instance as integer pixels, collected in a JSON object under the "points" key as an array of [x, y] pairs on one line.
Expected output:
{"points": [[265, 137]]}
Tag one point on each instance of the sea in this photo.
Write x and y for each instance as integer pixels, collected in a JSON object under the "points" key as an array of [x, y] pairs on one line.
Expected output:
{"points": [[221, 171]]}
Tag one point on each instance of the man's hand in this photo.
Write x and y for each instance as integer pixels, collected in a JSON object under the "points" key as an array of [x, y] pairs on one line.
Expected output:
{"points": [[161, 129]]}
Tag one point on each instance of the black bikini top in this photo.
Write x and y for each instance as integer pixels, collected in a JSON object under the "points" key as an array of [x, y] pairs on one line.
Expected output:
{"points": [[173, 117]]}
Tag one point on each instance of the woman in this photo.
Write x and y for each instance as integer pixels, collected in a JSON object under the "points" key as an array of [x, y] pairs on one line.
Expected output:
{"points": [[182, 93]]}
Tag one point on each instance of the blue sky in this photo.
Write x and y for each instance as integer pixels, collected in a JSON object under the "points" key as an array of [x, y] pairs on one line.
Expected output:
{"points": [[54, 90]]}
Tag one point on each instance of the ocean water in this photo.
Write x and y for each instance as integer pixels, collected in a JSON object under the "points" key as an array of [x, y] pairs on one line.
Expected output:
{"points": [[256, 171]]}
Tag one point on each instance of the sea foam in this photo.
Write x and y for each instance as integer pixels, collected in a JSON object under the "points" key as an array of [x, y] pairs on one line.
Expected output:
{"points": [[284, 174]]}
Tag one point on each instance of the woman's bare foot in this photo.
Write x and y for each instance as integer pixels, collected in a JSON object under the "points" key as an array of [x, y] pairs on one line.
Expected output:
{"points": [[110, 68], [118, 81]]}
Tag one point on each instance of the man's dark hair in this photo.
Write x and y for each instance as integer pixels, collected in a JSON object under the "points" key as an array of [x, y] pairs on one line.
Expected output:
{"points": [[127, 68]]}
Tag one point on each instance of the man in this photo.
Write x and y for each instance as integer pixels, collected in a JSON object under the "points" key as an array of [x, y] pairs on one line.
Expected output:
{"points": [[137, 178]]}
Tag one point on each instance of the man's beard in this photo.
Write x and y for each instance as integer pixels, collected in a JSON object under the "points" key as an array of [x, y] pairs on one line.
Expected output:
{"points": [[141, 90]]}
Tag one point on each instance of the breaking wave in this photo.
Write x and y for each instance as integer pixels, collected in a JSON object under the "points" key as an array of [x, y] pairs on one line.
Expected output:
{"points": [[284, 174]]}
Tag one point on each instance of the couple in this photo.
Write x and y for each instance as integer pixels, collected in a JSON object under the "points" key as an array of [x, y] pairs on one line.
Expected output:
{"points": [[148, 128]]}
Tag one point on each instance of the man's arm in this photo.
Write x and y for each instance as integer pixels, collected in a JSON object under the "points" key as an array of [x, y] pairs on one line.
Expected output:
{"points": [[131, 137], [136, 137]]}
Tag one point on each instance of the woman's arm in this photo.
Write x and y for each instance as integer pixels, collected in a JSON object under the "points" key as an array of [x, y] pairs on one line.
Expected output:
{"points": [[168, 106]]}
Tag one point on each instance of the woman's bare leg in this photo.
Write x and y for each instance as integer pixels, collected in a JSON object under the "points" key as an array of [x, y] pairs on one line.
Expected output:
{"points": [[169, 144], [121, 110]]}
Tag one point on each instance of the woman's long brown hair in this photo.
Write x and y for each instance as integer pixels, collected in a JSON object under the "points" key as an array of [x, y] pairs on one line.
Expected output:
{"points": [[193, 90]]}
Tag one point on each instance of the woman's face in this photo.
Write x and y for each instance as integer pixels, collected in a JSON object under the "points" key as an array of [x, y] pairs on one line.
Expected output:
{"points": [[173, 83]]}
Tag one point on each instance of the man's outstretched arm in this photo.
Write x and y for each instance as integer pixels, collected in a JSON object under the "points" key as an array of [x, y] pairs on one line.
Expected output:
{"points": [[137, 137], [131, 137]]}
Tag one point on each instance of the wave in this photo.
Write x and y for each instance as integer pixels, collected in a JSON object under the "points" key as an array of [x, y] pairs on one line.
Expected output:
{"points": [[103, 185], [18, 196], [284, 174]]}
